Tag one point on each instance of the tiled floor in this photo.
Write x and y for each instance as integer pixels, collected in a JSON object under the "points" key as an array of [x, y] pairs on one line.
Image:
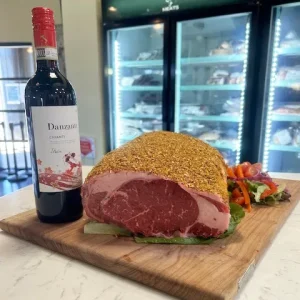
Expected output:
{"points": [[7, 187]]}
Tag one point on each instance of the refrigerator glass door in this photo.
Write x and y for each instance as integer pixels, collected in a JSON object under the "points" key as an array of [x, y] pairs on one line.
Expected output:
{"points": [[281, 148], [211, 69], [135, 81]]}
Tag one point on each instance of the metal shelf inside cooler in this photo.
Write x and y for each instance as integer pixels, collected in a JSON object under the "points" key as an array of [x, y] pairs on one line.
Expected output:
{"points": [[210, 118], [286, 118], [284, 148], [217, 59], [288, 84], [140, 116], [141, 88], [207, 87], [289, 51], [141, 63]]}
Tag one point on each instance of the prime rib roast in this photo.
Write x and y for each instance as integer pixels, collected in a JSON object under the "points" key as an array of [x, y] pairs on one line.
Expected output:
{"points": [[161, 184]]}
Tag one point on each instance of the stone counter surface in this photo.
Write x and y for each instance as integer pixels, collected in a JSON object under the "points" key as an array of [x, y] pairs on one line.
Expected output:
{"points": [[30, 272]]}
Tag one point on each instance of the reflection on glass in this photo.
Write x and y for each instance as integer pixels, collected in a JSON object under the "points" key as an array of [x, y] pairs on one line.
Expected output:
{"points": [[136, 80], [211, 66], [16, 62], [281, 151]]}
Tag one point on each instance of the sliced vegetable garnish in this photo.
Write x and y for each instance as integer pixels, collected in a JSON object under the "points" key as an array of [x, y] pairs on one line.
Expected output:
{"points": [[249, 184], [272, 189], [245, 166], [245, 194], [94, 227], [230, 173], [236, 211], [175, 240], [239, 171]]}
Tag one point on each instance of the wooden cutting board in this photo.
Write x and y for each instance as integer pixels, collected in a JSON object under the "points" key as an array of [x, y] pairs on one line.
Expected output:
{"points": [[214, 271]]}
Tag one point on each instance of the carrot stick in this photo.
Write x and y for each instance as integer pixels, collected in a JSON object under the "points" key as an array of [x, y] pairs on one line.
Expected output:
{"points": [[249, 208], [239, 200], [236, 193], [230, 173], [245, 194], [239, 171], [272, 189]]}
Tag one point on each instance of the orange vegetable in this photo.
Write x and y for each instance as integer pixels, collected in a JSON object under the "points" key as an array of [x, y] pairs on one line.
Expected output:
{"points": [[245, 194], [249, 208], [245, 165], [236, 193], [251, 171], [258, 166], [239, 200], [239, 171], [271, 191], [230, 173]]}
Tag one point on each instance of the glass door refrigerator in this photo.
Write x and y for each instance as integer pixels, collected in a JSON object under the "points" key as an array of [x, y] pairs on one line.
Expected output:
{"points": [[135, 80], [211, 77], [183, 66], [280, 149]]}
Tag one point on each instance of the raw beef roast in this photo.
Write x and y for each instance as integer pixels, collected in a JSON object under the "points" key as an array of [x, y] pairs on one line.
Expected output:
{"points": [[160, 184]]}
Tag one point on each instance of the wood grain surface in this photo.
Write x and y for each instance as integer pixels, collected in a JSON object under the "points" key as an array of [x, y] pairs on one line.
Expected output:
{"points": [[214, 271]]}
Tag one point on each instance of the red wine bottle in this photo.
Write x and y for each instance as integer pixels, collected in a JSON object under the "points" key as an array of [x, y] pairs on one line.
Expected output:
{"points": [[52, 121]]}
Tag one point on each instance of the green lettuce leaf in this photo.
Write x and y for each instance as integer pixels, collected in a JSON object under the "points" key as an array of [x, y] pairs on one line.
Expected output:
{"points": [[275, 198], [175, 240], [256, 188], [237, 214]]}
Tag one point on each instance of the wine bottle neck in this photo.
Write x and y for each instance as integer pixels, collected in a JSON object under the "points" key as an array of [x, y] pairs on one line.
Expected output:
{"points": [[47, 65]]}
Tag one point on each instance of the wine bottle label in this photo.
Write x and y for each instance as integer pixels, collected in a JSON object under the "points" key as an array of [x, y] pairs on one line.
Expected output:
{"points": [[46, 53], [57, 147]]}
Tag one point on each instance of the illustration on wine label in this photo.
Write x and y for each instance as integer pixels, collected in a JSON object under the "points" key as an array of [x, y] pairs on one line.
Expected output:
{"points": [[71, 178], [57, 145]]}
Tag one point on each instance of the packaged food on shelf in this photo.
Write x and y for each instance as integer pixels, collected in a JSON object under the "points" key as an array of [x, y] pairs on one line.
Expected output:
{"points": [[229, 47], [146, 79], [155, 54], [236, 78], [296, 140], [128, 81], [194, 128], [288, 109], [196, 110], [283, 137], [290, 40], [151, 125], [232, 105], [289, 73], [143, 108], [144, 56], [210, 136], [218, 77], [132, 123]]}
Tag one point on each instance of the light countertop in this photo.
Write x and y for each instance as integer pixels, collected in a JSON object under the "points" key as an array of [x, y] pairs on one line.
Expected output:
{"points": [[30, 272]]}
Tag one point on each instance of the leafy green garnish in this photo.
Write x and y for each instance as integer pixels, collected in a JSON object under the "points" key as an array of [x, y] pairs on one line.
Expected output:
{"points": [[237, 213], [94, 227], [175, 240], [257, 188], [230, 184]]}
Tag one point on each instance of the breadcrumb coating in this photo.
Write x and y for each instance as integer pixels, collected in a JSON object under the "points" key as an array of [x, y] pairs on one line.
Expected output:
{"points": [[181, 158]]}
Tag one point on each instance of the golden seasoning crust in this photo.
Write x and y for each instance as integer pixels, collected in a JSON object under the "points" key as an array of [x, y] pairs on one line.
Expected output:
{"points": [[181, 158]]}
